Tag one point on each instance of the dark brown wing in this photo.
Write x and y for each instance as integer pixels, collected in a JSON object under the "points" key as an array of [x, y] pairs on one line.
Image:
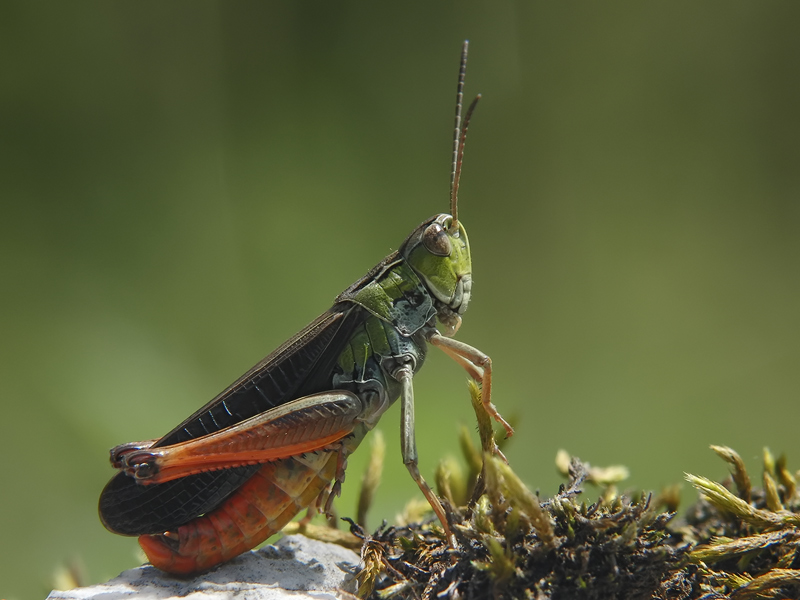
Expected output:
{"points": [[301, 366]]}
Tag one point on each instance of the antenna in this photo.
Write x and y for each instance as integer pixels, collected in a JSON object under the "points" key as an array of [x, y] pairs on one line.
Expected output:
{"points": [[459, 136]]}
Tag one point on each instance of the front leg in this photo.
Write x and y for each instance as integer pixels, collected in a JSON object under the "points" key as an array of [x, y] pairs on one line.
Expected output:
{"points": [[479, 367], [409, 448]]}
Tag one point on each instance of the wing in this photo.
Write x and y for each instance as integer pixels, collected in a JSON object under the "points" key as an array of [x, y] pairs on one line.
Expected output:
{"points": [[301, 366]]}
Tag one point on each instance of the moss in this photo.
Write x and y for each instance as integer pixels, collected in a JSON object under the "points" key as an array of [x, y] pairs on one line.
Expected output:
{"points": [[511, 544]]}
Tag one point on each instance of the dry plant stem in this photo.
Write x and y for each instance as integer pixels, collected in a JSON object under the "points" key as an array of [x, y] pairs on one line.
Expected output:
{"points": [[522, 498], [486, 434], [771, 493], [786, 479], [738, 471], [372, 477], [323, 533], [715, 552], [761, 586], [718, 495]]}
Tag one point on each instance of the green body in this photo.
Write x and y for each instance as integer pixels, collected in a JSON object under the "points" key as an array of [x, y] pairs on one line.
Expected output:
{"points": [[404, 295]]}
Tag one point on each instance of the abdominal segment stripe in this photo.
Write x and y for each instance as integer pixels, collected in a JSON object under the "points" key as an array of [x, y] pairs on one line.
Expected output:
{"points": [[260, 508]]}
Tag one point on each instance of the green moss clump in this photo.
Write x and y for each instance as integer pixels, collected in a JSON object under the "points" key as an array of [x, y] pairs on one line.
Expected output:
{"points": [[511, 544], [745, 544]]}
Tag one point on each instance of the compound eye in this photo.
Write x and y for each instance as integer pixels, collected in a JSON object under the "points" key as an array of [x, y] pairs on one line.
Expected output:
{"points": [[436, 240]]}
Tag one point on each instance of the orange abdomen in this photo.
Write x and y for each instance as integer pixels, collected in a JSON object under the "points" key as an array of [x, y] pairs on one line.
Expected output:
{"points": [[260, 508]]}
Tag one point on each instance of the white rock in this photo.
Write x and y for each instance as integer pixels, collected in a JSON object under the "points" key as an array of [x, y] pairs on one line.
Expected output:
{"points": [[295, 568]]}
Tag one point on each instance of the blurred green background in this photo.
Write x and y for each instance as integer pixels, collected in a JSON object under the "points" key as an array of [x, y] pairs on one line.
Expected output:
{"points": [[185, 185]]}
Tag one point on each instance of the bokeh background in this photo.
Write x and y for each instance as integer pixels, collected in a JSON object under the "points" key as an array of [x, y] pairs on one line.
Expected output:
{"points": [[186, 185]]}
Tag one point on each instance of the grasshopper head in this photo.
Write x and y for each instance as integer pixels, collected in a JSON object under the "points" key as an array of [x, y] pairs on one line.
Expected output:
{"points": [[438, 252]]}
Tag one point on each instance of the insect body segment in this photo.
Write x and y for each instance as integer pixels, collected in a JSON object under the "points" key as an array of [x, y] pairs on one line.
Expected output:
{"points": [[442, 259], [277, 440], [395, 295], [260, 508]]}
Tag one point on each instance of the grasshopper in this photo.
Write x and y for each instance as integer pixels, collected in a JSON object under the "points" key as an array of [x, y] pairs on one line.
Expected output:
{"points": [[276, 441]]}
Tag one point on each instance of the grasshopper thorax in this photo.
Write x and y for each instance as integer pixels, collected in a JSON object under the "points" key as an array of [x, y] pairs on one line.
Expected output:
{"points": [[439, 254]]}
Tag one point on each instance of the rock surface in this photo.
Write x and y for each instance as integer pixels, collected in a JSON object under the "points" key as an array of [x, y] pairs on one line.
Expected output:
{"points": [[296, 567]]}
